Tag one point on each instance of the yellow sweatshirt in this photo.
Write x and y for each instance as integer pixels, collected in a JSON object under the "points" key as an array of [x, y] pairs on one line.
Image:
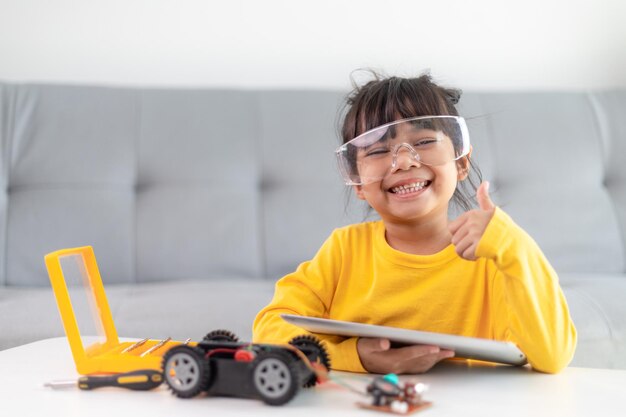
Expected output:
{"points": [[511, 293]]}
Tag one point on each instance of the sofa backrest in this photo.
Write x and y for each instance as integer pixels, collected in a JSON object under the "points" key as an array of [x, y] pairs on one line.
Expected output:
{"points": [[172, 184], [554, 158]]}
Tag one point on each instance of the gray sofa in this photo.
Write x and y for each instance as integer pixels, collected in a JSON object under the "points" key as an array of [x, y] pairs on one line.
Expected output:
{"points": [[197, 200]]}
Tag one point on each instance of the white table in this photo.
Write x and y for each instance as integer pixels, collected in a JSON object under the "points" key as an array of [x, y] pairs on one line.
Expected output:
{"points": [[456, 389]]}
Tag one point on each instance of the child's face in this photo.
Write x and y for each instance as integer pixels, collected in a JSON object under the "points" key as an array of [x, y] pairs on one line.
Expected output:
{"points": [[413, 191]]}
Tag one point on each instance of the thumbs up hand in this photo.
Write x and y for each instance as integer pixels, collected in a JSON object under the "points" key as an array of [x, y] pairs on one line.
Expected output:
{"points": [[469, 227]]}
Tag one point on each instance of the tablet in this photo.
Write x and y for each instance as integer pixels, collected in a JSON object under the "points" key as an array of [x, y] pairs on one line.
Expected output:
{"points": [[464, 347]]}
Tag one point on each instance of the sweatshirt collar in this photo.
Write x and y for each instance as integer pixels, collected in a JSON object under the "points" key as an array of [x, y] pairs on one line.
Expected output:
{"points": [[446, 255]]}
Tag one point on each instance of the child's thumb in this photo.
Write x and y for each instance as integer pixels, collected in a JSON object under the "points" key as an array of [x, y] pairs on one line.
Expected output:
{"points": [[384, 344], [376, 345], [484, 201]]}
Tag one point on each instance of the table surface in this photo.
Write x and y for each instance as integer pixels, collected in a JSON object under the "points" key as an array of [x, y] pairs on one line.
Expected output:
{"points": [[456, 388]]}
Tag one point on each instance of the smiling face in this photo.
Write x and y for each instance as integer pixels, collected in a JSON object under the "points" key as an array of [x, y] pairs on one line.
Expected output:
{"points": [[426, 189], [410, 190]]}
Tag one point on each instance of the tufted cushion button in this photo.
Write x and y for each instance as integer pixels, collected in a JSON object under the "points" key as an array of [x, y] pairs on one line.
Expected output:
{"points": [[266, 184]]}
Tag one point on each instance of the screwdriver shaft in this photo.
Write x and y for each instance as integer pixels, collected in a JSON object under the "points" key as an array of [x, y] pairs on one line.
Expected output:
{"points": [[61, 384]]}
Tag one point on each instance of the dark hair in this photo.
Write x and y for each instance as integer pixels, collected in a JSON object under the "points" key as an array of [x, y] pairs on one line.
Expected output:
{"points": [[386, 99]]}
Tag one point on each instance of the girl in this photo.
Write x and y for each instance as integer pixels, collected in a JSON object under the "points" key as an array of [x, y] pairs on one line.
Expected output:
{"points": [[407, 154]]}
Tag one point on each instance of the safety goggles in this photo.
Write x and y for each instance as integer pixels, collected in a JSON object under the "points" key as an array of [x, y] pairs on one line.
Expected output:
{"points": [[428, 140]]}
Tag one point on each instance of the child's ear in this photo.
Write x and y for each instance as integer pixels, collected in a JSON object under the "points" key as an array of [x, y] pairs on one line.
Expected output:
{"points": [[358, 191], [464, 165]]}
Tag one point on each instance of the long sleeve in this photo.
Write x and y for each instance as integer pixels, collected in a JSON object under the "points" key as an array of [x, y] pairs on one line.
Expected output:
{"points": [[308, 291], [529, 306]]}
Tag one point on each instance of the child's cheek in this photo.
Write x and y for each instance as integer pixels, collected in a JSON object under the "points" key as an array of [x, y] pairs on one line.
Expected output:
{"points": [[445, 185]]}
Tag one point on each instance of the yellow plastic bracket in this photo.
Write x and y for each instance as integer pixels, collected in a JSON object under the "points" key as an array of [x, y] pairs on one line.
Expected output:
{"points": [[104, 356]]}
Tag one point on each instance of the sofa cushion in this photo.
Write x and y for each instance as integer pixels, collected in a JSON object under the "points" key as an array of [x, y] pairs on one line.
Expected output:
{"points": [[304, 198], [609, 108], [71, 178], [163, 184], [197, 212], [547, 167], [596, 303]]}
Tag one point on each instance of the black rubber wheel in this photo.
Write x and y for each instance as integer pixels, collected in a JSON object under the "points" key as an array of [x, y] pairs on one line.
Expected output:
{"points": [[275, 377], [221, 335], [185, 371], [315, 351]]}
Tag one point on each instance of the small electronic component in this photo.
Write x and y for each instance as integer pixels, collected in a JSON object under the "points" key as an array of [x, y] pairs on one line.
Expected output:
{"points": [[389, 395]]}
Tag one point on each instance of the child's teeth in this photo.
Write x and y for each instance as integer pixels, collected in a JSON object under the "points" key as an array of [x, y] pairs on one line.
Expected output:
{"points": [[409, 188]]}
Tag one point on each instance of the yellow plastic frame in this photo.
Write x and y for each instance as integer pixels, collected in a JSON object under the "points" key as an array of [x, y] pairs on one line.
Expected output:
{"points": [[104, 357]]}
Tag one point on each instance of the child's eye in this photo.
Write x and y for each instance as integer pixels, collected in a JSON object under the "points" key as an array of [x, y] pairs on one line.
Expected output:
{"points": [[425, 142], [377, 151]]}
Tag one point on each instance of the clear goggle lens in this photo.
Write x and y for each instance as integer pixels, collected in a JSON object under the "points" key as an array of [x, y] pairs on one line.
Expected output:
{"points": [[429, 140]]}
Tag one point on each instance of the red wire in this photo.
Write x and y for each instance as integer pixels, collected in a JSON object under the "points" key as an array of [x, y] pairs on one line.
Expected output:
{"points": [[211, 352]]}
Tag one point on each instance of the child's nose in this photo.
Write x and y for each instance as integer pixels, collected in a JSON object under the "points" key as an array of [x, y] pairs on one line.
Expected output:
{"points": [[405, 157]]}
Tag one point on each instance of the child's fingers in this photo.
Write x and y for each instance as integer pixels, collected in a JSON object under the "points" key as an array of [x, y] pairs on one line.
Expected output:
{"points": [[408, 359], [412, 352], [446, 354], [460, 234], [470, 253], [456, 224], [424, 363], [462, 247]]}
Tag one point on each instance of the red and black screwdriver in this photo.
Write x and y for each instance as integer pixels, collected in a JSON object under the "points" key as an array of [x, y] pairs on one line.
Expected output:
{"points": [[141, 380]]}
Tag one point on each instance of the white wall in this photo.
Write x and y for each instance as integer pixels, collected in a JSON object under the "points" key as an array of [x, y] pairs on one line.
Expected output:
{"points": [[479, 44]]}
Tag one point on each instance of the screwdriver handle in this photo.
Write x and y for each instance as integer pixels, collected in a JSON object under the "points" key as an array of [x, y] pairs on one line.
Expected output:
{"points": [[141, 380]]}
